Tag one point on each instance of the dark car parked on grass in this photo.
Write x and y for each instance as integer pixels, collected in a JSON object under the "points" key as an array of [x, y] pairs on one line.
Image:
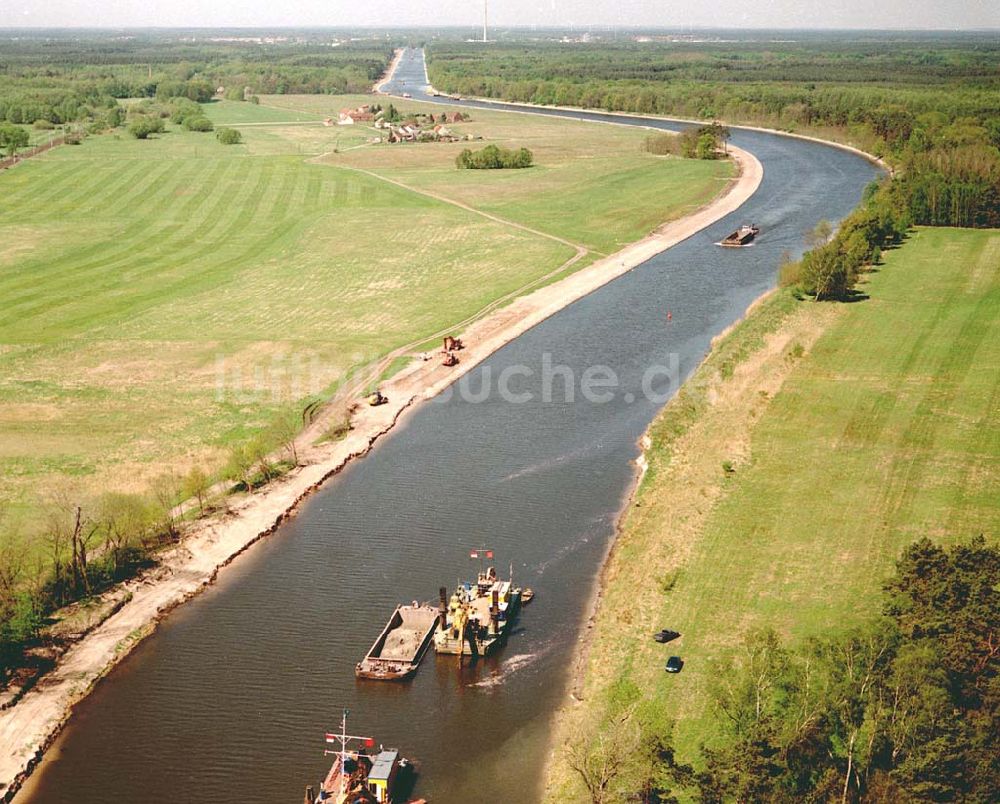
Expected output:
{"points": [[674, 664]]}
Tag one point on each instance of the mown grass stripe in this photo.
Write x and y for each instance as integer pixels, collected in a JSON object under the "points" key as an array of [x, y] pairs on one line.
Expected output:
{"points": [[174, 257]]}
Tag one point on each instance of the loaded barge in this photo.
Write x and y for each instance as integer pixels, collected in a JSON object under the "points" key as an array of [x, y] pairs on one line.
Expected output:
{"points": [[397, 652], [743, 236]]}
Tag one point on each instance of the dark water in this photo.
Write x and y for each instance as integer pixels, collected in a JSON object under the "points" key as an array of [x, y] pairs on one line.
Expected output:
{"points": [[228, 702]]}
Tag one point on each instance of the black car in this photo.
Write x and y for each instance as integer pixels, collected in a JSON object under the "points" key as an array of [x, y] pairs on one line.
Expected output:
{"points": [[674, 664], [666, 635]]}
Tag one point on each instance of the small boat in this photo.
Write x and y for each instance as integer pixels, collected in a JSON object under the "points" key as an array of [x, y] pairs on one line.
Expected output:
{"points": [[527, 595], [743, 236], [397, 652]]}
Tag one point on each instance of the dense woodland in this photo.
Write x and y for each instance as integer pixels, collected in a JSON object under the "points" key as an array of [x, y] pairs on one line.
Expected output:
{"points": [[932, 109], [902, 708], [62, 79]]}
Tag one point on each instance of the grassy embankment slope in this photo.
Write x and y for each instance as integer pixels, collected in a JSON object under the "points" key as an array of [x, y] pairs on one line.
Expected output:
{"points": [[852, 429], [128, 267]]}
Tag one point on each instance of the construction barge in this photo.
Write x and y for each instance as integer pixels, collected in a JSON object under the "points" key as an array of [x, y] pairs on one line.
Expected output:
{"points": [[743, 236], [397, 652], [477, 619]]}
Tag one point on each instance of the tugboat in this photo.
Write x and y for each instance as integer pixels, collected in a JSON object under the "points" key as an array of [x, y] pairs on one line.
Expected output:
{"points": [[743, 236], [362, 775], [477, 619]]}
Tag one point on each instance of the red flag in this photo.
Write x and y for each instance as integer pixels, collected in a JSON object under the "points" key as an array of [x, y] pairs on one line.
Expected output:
{"points": [[369, 742], [331, 738], [489, 554], [474, 554]]}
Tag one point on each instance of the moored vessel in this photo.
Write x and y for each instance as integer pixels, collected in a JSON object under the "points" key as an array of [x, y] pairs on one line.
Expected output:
{"points": [[477, 618], [397, 652]]}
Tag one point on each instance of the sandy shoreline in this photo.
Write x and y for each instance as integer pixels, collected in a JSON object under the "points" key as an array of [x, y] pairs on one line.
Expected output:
{"points": [[390, 70], [31, 725]]}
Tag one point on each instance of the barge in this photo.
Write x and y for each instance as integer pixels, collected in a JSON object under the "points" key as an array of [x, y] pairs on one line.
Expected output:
{"points": [[477, 618], [397, 652], [743, 236]]}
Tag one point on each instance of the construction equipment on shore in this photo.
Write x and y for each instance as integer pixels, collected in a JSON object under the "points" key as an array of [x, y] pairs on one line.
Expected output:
{"points": [[450, 359], [377, 398], [452, 344]]}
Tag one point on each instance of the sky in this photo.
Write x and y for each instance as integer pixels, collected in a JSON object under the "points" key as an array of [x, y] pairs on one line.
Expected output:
{"points": [[905, 14]]}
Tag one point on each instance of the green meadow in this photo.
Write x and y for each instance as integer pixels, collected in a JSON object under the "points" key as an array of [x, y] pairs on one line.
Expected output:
{"points": [[889, 431], [140, 277], [886, 430]]}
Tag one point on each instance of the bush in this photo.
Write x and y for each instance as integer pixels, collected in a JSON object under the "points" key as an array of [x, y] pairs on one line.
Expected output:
{"points": [[493, 158], [44, 125], [201, 123], [229, 136], [142, 126], [180, 109]]}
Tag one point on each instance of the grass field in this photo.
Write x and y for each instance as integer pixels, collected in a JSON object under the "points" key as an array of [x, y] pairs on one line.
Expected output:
{"points": [[578, 187], [845, 449], [131, 271]]}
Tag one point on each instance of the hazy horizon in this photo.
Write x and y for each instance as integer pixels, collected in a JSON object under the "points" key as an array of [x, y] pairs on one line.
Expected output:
{"points": [[852, 15]]}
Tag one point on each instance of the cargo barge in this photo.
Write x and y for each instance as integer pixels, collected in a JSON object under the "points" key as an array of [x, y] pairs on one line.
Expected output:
{"points": [[477, 618], [397, 652], [743, 236]]}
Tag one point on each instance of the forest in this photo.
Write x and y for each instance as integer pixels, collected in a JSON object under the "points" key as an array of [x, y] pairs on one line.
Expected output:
{"points": [[58, 79], [931, 109]]}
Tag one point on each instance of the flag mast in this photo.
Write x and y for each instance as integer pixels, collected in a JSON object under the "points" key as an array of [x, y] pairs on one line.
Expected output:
{"points": [[343, 739]]}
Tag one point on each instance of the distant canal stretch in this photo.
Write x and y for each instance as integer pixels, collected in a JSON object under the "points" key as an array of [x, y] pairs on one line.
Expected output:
{"points": [[229, 701]]}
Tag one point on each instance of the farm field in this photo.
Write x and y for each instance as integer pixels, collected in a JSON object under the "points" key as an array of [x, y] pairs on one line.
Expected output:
{"points": [[165, 299], [598, 188], [814, 444]]}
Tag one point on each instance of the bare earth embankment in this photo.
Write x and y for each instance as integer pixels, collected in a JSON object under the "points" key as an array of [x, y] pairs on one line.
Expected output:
{"points": [[30, 726]]}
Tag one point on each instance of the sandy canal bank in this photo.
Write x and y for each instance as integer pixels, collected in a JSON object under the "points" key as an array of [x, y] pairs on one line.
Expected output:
{"points": [[30, 726], [390, 71]]}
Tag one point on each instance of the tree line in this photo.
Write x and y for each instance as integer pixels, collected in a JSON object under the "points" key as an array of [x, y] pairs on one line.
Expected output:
{"points": [[904, 707], [65, 80], [933, 113]]}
